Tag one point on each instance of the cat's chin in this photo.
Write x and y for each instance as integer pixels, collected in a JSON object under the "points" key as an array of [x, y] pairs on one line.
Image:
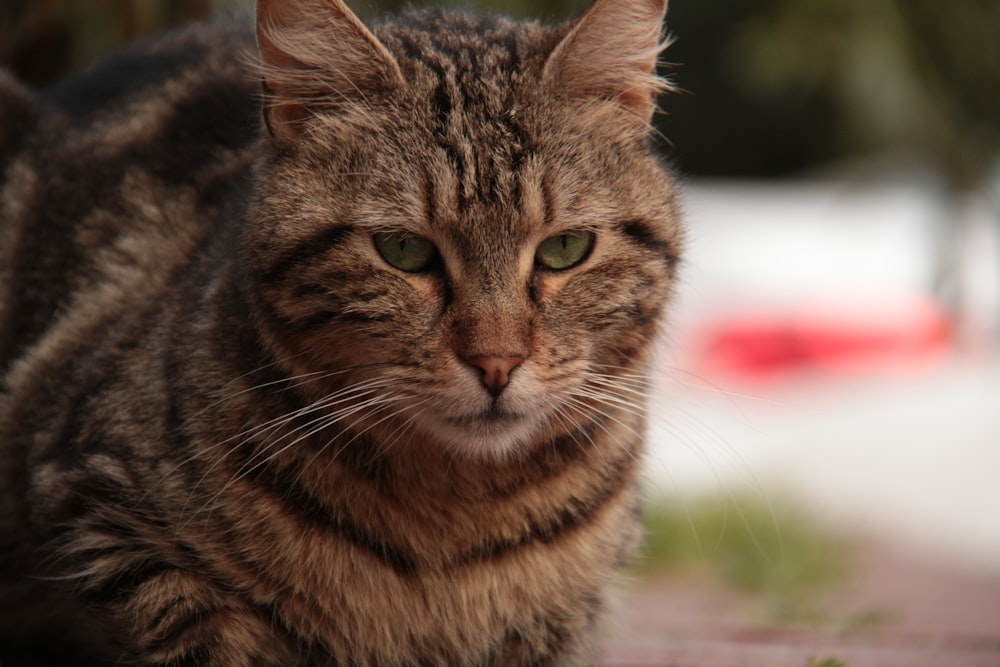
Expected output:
{"points": [[491, 434]]}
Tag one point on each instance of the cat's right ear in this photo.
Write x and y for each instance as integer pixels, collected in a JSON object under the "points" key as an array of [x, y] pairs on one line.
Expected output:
{"points": [[316, 55]]}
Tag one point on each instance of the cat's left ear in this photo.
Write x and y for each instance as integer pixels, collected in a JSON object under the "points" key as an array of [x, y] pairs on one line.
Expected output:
{"points": [[610, 53], [315, 55]]}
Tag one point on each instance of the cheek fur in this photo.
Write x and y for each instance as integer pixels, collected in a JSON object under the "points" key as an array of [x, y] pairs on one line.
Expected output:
{"points": [[610, 298], [345, 310]]}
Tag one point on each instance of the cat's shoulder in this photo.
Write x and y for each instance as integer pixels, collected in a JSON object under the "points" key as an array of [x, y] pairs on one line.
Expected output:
{"points": [[19, 110], [153, 143], [197, 82], [216, 53]]}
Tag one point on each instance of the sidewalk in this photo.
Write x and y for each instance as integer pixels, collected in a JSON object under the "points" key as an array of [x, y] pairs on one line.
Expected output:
{"points": [[896, 611]]}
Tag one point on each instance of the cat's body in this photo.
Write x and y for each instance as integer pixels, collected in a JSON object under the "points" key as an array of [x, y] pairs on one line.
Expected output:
{"points": [[237, 429]]}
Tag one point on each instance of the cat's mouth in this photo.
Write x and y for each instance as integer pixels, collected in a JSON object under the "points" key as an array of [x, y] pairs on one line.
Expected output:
{"points": [[492, 431], [492, 416]]}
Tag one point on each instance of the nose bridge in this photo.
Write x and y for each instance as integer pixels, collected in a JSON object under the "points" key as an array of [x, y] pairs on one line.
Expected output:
{"points": [[492, 316]]}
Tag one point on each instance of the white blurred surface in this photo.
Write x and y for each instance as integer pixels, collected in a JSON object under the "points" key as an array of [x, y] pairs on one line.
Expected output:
{"points": [[909, 451]]}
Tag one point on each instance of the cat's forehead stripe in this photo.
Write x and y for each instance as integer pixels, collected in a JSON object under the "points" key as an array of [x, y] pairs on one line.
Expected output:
{"points": [[460, 75]]}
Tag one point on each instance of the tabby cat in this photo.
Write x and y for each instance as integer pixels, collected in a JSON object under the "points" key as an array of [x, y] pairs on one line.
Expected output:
{"points": [[324, 344]]}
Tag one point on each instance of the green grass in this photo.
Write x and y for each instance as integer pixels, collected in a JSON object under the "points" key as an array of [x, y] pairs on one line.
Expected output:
{"points": [[826, 662], [751, 545]]}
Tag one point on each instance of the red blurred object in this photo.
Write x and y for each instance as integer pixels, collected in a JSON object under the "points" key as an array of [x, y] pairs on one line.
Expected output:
{"points": [[853, 335]]}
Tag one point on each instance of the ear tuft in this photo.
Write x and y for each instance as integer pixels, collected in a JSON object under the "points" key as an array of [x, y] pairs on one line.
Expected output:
{"points": [[315, 55], [610, 53]]}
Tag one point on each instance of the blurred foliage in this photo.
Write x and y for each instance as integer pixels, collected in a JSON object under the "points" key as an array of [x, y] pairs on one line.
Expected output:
{"points": [[826, 662], [904, 75], [768, 550], [44, 40], [773, 86], [752, 546]]}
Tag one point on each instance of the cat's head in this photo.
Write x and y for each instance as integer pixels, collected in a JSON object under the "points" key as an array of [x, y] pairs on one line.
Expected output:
{"points": [[459, 230]]}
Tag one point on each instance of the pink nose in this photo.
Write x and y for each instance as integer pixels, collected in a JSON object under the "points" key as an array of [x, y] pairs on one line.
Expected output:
{"points": [[496, 371]]}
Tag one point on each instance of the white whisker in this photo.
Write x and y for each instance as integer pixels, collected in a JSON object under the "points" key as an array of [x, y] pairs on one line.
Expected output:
{"points": [[367, 391], [272, 425], [310, 428], [583, 405]]}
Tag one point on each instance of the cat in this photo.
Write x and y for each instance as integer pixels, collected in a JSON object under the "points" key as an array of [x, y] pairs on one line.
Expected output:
{"points": [[326, 344]]}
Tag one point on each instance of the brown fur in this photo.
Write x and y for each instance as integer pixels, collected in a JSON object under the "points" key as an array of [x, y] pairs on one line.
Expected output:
{"points": [[232, 434]]}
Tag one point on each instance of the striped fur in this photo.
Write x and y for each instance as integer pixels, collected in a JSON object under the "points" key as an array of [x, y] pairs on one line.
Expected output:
{"points": [[232, 434]]}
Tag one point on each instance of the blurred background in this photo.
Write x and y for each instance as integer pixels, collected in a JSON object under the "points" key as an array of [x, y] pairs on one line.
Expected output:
{"points": [[830, 380]]}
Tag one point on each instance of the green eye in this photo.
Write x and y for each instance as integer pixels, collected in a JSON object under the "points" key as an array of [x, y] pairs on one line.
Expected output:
{"points": [[405, 252], [564, 251]]}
